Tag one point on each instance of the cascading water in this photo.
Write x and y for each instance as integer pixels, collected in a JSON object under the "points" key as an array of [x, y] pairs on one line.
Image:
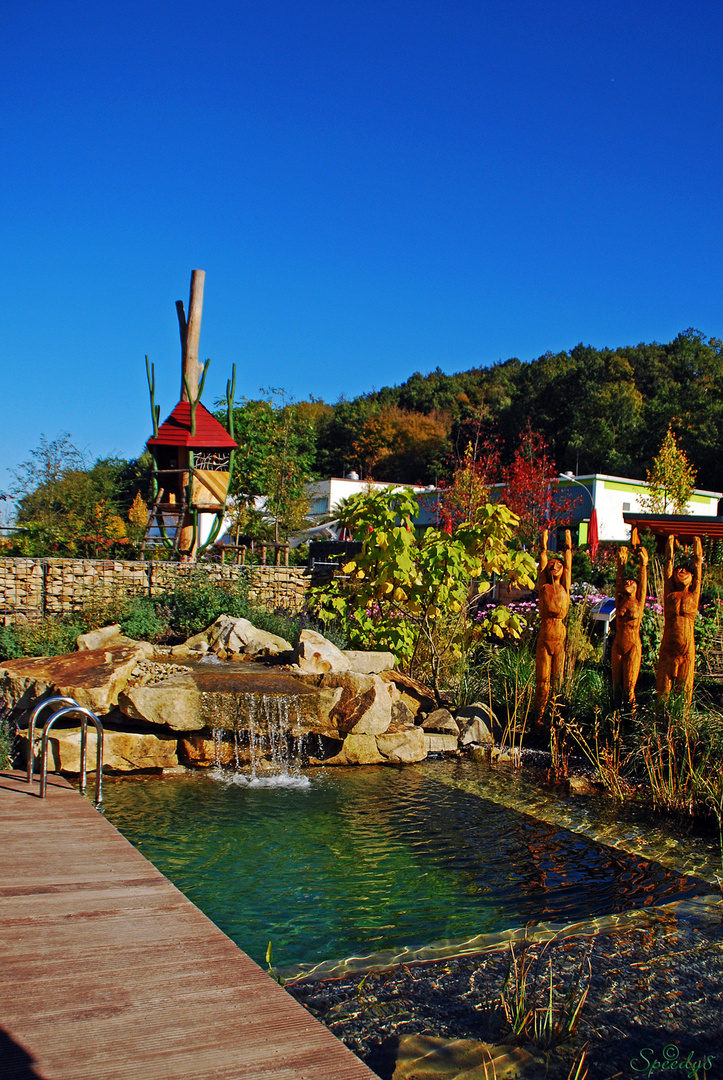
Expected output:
{"points": [[267, 739]]}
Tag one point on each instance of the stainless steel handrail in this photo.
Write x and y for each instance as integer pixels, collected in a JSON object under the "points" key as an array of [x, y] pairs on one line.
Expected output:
{"points": [[85, 716], [33, 719]]}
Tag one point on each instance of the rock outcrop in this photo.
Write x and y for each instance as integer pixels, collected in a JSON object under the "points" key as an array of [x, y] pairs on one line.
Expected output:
{"points": [[123, 751], [174, 703], [441, 722], [355, 704], [231, 637], [369, 663], [94, 677], [404, 745], [415, 695], [317, 656], [473, 721], [441, 744], [358, 710]]}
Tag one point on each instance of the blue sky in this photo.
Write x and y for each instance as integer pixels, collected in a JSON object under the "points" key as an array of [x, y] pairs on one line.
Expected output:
{"points": [[372, 189]]}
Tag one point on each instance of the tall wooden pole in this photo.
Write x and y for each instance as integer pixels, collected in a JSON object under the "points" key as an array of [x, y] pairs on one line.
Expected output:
{"points": [[191, 372], [191, 332]]}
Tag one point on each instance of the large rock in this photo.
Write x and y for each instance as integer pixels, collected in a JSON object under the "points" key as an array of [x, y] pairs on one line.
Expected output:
{"points": [[474, 722], [317, 656], [98, 639], [240, 637], [440, 744], [360, 704], [442, 722], [123, 751], [357, 750], [415, 695], [369, 663], [402, 715], [94, 677], [175, 702], [405, 745], [476, 733], [203, 750], [477, 710]]}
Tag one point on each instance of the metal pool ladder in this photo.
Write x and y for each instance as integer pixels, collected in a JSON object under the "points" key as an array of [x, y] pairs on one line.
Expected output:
{"points": [[69, 707]]}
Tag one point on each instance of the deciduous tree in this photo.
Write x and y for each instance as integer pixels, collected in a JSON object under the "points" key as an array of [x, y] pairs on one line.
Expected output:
{"points": [[671, 481], [410, 593], [274, 458], [530, 490]]}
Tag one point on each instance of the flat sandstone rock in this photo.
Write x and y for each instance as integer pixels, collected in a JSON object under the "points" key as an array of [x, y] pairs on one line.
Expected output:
{"points": [[94, 677]]}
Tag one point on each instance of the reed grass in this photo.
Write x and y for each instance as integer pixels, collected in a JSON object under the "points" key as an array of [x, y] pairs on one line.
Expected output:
{"points": [[533, 1006]]}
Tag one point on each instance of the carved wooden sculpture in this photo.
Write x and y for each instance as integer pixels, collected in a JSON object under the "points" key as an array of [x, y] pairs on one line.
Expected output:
{"points": [[676, 665], [553, 586], [627, 647]]}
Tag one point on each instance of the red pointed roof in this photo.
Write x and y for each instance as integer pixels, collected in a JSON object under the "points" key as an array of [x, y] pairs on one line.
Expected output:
{"points": [[176, 430]]}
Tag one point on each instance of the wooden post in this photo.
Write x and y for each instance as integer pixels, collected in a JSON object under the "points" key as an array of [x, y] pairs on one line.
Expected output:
{"points": [[190, 375], [191, 333]]}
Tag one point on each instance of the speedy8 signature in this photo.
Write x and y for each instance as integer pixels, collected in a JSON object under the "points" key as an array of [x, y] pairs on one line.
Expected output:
{"points": [[647, 1062]]}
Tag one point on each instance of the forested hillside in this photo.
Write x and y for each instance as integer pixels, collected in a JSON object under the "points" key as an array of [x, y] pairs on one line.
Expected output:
{"points": [[598, 410], [586, 410]]}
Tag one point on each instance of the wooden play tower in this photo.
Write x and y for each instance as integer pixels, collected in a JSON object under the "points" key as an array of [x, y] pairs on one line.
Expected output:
{"points": [[192, 453]]}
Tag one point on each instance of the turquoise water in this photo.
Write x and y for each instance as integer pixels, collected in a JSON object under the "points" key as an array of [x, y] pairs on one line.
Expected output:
{"points": [[351, 862]]}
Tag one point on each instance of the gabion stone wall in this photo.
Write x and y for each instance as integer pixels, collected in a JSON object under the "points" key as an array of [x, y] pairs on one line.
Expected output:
{"points": [[31, 589]]}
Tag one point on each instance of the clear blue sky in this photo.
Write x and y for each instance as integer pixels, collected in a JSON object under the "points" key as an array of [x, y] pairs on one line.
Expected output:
{"points": [[372, 188]]}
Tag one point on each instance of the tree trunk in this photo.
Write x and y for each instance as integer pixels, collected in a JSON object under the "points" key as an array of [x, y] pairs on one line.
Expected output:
{"points": [[191, 366]]}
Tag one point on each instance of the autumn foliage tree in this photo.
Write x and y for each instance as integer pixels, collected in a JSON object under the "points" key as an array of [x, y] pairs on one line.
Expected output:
{"points": [[530, 489], [470, 487]]}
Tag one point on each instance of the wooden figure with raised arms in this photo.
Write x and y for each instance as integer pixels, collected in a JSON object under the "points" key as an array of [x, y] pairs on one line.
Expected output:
{"points": [[627, 648], [681, 596], [553, 586]]}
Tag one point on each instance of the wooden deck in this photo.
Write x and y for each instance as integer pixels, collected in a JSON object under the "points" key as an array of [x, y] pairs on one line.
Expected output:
{"points": [[107, 972]]}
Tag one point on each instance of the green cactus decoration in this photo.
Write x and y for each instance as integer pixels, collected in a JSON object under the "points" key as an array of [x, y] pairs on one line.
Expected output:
{"points": [[230, 394], [155, 409], [193, 402]]}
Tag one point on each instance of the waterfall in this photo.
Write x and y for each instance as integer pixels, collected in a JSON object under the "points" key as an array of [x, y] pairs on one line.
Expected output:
{"points": [[266, 740]]}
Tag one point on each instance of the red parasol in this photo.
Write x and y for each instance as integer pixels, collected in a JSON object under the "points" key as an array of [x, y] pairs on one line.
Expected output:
{"points": [[592, 535]]}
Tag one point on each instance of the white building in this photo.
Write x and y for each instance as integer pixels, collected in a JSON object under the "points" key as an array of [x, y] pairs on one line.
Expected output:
{"points": [[326, 495], [613, 496]]}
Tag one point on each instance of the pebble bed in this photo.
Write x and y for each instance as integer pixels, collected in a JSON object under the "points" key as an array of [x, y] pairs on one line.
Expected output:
{"points": [[653, 986], [150, 673]]}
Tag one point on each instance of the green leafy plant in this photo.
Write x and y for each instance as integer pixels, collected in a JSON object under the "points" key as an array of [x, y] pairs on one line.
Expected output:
{"points": [[671, 481], [503, 675], [48, 637], [193, 605], [269, 965], [140, 619], [410, 593]]}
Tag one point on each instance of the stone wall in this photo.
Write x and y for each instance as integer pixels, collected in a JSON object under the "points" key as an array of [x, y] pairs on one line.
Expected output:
{"points": [[31, 589]]}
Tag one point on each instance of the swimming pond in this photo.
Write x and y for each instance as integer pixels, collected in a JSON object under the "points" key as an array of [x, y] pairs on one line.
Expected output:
{"points": [[352, 862]]}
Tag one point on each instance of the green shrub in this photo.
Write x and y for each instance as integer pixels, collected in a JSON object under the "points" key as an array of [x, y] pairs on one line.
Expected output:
{"points": [[140, 620], [276, 622], [192, 606], [7, 741], [51, 637], [10, 648]]}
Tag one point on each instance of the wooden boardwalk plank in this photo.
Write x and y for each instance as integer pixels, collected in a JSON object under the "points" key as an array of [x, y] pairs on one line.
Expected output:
{"points": [[110, 973]]}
